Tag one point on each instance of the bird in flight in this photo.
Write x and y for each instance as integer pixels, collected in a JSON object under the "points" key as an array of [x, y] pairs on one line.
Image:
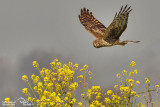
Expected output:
{"points": [[106, 37]]}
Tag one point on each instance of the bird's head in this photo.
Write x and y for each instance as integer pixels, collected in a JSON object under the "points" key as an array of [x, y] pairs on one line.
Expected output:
{"points": [[96, 44]]}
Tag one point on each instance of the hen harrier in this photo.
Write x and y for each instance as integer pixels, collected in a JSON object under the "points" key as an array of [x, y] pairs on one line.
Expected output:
{"points": [[106, 37]]}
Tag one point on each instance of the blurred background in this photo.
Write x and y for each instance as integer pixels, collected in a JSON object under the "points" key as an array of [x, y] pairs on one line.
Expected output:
{"points": [[44, 30]]}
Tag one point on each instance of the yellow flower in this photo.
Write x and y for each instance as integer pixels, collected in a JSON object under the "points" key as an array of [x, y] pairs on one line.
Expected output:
{"points": [[147, 80], [25, 78], [98, 97], [114, 97], [81, 70], [65, 67], [80, 103], [137, 95], [120, 81], [49, 85], [36, 79], [29, 99], [46, 93], [72, 87], [133, 63], [137, 82], [139, 104], [43, 98], [85, 66], [35, 64], [52, 63], [40, 84], [136, 71], [81, 76], [47, 71], [33, 76], [7, 100], [82, 95], [33, 99], [89, 93], [69, 94], [131, 84], [55, 60], [52, 104], [42, 72], [58, 87], [109, 92], [131, 81], [35, 88], [53, 96], [54, 74], [89, 73], [70, 64], [131, 74], [133, 92], [58, 64], [124, 88], [37, 101], [119, 97], [116, 86], [107, 100], [46, 79], [99, 93], [58, 99], [76, 84], [124, 72], [96, 88], [66, 98], [118, 75], [157, 86], [73, 100], [25, 90], [59, 94], [75, 66], [58, 104], [89, 90]]}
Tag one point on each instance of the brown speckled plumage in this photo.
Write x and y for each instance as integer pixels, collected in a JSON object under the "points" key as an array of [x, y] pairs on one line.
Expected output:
{"points": [[106, 37]]}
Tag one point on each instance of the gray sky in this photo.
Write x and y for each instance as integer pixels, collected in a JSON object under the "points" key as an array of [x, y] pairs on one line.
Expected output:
{"points": [[44, 29]]}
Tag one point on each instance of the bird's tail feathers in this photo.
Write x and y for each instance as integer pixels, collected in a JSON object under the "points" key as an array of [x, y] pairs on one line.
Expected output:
{"points": [[128, 41]]}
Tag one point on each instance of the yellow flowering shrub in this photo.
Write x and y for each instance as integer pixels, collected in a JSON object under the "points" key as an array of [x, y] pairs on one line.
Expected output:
{"points": [[127, 93], [57, 87]]}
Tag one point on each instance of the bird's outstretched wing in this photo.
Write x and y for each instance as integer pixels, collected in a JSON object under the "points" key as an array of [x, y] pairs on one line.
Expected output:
{"points": [[91, 24], [118, 25]]}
